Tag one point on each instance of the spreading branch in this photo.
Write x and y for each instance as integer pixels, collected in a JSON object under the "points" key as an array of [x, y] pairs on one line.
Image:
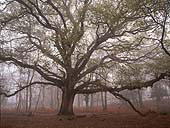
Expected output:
{"points": [[24, 87], [58, 82], [129, 102]]}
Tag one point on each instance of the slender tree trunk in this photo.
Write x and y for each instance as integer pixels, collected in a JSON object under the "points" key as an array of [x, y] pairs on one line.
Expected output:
{"points": [[57, 98], [17, 96], [43, 97], [66, 107], [19, 102], [26, 100], [78, 101], [102, 100], [86, 98], [30, 99], [36, 106], [52, 98], [105, 97], [27, 94], [30, 92], [158, 98], [92, 101], [140, 99], [97, 100]]}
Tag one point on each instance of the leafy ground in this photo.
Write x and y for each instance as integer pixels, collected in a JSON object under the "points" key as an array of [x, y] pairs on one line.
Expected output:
{"points": [[85, 120]]}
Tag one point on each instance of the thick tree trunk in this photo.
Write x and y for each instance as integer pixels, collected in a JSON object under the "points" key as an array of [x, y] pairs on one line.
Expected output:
{"points": [[66, 107]]}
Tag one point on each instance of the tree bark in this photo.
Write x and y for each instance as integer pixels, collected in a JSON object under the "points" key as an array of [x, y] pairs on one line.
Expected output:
{"points": [[66, 107]]}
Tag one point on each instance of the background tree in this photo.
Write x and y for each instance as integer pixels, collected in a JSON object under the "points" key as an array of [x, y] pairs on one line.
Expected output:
{"points": [[158, 93]]}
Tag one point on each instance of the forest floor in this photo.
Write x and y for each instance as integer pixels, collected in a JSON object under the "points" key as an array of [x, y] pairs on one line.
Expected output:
{"points": [[84, 120]]}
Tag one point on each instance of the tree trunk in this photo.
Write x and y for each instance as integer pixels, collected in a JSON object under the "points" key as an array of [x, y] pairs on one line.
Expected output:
{"points": [[86, 98], [78, 101], [105, 97], [91, 103], [140, 99], [66, 107], [30, 99], [102, 100], [19, 107], [52, 98], [26, 100], [43, 97], [36, 106], [57, 97]]}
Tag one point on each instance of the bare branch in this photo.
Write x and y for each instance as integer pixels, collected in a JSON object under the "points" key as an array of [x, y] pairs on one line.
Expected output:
{"points": [[58, 82], [58, 11], [129, 102], [44, 51], [46, 24], [163, 34], [22, 88]]}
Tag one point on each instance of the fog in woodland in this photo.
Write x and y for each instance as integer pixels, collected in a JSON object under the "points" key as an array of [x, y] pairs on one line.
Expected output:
{"points": [[70, 57]]}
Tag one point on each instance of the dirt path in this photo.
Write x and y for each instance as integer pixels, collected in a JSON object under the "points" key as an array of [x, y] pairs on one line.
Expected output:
{"points": [[104, 120]]}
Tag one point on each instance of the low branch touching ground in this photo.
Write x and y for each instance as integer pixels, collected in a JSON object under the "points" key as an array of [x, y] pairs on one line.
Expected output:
{"points": [[129, 102]]}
